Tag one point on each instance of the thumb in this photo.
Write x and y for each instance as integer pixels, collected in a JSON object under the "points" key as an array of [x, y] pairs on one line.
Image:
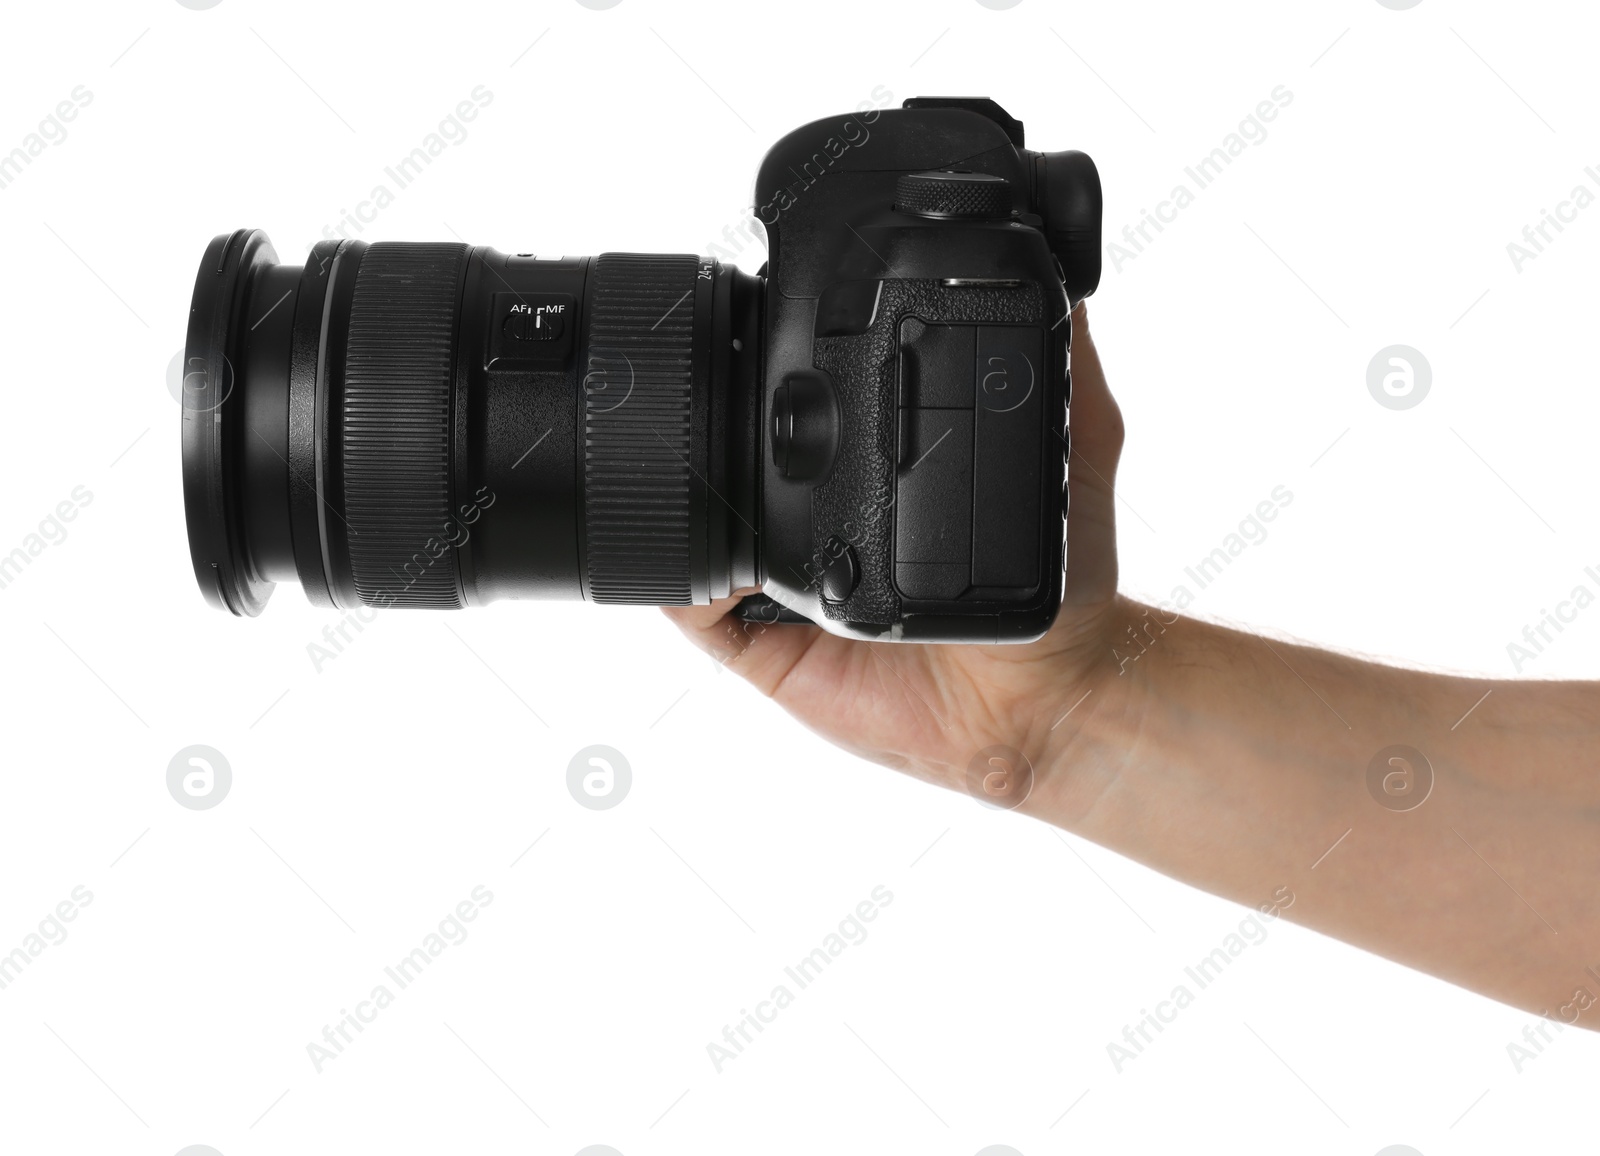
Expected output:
{"points": [[1096, 447]]}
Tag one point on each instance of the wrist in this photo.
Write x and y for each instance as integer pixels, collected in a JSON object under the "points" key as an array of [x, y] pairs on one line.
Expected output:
{"points": [[1093, 711]]}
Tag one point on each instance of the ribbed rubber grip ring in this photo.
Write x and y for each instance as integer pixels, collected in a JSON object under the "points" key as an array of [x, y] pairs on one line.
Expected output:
{"points": [[394, 423], [638, 429]]}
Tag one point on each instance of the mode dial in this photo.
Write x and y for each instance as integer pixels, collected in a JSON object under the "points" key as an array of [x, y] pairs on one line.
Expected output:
{"points": [[951, 193]]}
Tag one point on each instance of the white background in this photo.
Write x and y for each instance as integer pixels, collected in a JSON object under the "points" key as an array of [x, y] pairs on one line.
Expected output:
{"points": [[371, 797]]}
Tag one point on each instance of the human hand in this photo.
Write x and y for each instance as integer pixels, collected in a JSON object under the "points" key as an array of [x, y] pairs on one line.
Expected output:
{"points": [[929, 709]]}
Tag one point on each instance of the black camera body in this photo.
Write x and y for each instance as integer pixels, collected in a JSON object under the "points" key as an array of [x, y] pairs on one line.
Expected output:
{"points": [[872, 428], [921, 270]]}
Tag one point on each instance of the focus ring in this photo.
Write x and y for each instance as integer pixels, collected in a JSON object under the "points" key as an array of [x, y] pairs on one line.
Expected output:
{"points": [[638, 429], [394, 423]]}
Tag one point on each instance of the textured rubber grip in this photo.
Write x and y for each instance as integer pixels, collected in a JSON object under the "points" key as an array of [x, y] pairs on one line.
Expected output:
{"points": [[638, 429], [394, 423]]}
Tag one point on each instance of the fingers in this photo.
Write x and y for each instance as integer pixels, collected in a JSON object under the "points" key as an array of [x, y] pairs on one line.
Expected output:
{"points": [[1097, 435], [701, 623], [1096, 417], [762, 653]]}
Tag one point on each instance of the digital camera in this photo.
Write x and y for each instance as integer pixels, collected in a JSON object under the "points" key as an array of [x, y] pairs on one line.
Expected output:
{"points": [[872, 427]]}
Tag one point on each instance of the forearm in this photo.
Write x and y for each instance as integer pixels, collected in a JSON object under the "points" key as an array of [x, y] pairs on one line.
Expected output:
{"points": [[1242, 765]]}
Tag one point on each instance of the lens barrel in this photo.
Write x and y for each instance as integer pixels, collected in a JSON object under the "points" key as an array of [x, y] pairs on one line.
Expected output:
{"points": [[442, 425]]}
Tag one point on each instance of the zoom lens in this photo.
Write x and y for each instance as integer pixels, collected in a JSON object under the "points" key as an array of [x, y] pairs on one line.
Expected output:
{"points": [[442, 425]]}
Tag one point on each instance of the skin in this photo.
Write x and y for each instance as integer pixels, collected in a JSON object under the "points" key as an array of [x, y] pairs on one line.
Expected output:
{"points": [[1240, 764]]}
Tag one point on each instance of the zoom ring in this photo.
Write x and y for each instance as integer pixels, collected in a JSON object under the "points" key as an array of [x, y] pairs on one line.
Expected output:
{"points": [[638, 429], [395, 425]]}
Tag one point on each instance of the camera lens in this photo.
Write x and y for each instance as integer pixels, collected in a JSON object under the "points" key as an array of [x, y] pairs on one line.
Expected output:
{"points": [[443, 425]]}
